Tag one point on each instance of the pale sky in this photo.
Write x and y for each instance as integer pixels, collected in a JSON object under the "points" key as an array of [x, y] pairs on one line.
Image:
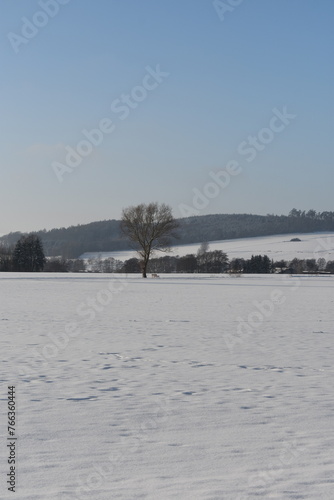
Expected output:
{"points": [[181, 90]]}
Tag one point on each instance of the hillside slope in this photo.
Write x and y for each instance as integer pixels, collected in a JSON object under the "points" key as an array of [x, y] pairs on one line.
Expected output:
{"points": [[104, 236], [278, 247]]}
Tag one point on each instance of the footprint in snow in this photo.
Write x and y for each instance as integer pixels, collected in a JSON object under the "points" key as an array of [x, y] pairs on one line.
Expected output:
{"points": [[177, 321], [81, 399]]}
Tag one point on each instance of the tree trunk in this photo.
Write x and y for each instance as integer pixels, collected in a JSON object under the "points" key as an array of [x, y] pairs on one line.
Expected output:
{"points": [[144, 268]]}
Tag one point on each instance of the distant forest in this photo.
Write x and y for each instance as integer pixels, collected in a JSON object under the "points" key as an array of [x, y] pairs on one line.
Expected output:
{"points": [[105, 236]]}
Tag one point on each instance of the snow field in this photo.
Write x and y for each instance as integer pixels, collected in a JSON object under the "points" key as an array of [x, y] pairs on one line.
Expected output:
{"points": [[187, 387], [277, 247]]}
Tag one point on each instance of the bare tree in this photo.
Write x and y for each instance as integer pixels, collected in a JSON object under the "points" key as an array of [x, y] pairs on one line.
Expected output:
{"points": [[203, 248], [149, 229]]}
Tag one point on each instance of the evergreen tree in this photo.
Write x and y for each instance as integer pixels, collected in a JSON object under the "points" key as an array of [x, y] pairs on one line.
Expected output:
{"points": [[28, 254], [258, 264]]}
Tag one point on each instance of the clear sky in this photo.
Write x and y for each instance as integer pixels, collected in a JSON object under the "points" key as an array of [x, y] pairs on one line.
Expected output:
{"points": [[179, 89]]}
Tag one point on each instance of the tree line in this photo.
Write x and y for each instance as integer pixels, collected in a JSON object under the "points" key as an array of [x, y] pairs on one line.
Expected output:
{"points": [[28, 256], [217, 262]]}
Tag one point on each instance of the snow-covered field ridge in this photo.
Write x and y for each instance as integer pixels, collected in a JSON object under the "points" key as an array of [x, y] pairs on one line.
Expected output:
{"points": [[183, 387], [278, 247]]}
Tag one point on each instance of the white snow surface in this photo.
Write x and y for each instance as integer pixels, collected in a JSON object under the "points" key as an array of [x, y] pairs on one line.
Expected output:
{"points": [[183, 387], [278, 247]]}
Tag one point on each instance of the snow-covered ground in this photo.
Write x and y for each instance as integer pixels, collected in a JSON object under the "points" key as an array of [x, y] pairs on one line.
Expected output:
{"points": [[183, 387], [278, 247]]}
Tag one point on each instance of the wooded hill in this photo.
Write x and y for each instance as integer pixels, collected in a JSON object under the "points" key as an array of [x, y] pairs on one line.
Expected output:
{"points": [[105, 235]]}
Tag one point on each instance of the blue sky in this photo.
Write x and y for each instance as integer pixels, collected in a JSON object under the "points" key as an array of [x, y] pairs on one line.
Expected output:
{"points": [[68, 66]]}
